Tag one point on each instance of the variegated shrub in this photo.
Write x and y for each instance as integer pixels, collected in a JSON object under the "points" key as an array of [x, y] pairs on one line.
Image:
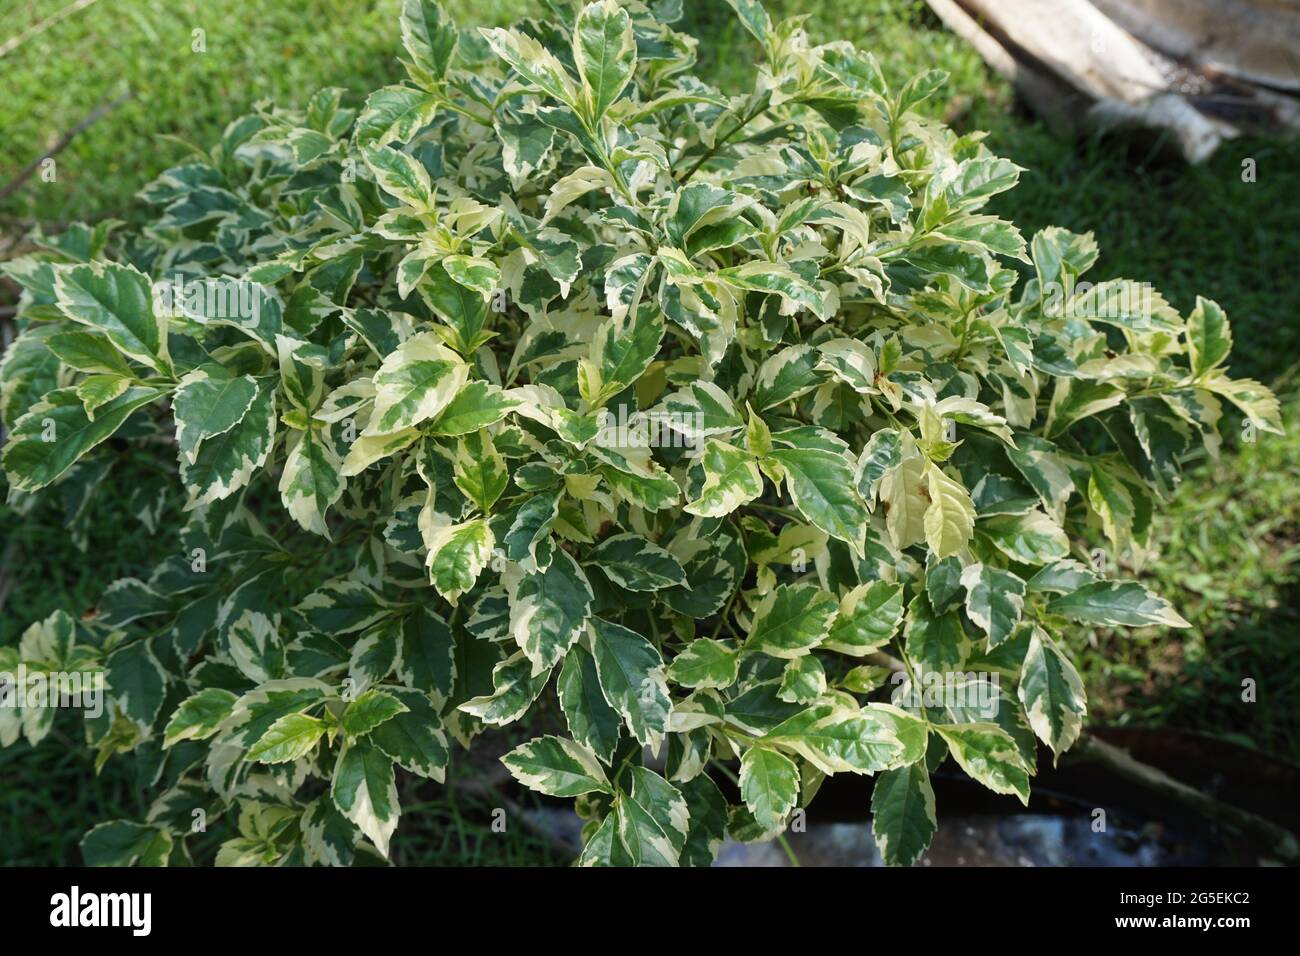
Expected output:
{"points": [[732, 423]]}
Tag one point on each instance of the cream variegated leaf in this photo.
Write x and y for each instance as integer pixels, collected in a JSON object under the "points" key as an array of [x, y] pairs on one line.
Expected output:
{"points": [[556, 767], [1052, 693], [551, 374], [950, 517], [458, 553]]}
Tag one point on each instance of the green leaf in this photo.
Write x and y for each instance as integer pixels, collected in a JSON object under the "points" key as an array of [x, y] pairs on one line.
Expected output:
{"points": [[1075, 400], [393, 114], [464, 310], [707, 809], [803, 680], [705, 663], [312, 480], [652, 820], [458, 553], [950, 518], [199, 716], [514, 688], [401, 176], [753, 17], [368, 449], [56, 432], [631, 673], [902, 814], [477, 274], [868, 617], [343, 606], [368, 711], [478, 405], [257, 710], [822, 488], [943, 584], [988, 754], [136, 682], [328, 838], [364, 790], [479, 470], [531, 530], [291, 737], [87, 351], [206, 405], [123, 843], [414, 738], [1045, 471], [920, 88], [935, 641], [548, 610], [533, 62], [1117, 603], [1128, 304], [1113, 502], [415, 383], [524, 146], [255, 646], [604, 847], [840, 740], [375, 656], [1254, 400], [701, 410], [791, 620], [785, 376], [967, 186], [850, 361], [634, 563], [592, 721], [118, 301], [769, 784], [429, 37], [227, 462], [604, 52], [995, 600], [97, 390], [428, 657], [731, 479], [1209, 338], [556, 767], [1059, 255], [621, 351], [1052, 693], [1031, 538]]}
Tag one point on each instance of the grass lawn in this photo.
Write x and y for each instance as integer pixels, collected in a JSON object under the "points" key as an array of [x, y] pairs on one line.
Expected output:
{"points": [[1232, 537]]}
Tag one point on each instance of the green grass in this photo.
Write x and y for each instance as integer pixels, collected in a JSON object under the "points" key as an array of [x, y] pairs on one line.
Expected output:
{"points": [[253, 50], [51, 797], [1230, 538], [1230, 543]]}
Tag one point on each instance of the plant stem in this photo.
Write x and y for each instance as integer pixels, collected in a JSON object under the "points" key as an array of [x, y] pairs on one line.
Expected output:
{"points": [[789, 852], [721, 142]]}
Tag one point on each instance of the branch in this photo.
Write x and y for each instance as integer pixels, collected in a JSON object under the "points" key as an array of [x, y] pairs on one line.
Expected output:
{"points": [[1122, 764], [10, 45], [29, 170]]}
